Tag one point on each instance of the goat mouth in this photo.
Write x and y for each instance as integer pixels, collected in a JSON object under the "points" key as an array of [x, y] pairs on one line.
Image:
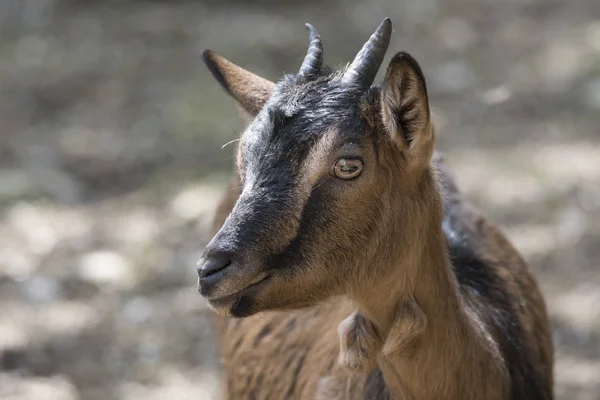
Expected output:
{"points": [[234, 298]]}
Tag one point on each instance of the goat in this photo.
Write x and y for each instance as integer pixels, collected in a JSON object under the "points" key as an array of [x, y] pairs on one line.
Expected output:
{"points": [[353, 266]]}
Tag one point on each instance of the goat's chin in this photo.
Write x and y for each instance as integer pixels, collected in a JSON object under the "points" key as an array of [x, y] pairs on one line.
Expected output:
{"points": [[240, 307], [220, 311], [246, 306], [235, 306], [270, 294]]}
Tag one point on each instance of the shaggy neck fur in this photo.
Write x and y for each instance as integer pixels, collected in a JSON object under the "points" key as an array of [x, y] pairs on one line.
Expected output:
{"points": [[432, 345]]}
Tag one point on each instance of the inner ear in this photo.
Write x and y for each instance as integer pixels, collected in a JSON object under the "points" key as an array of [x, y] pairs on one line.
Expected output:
{"points": [[248, 89], [404, 103]]}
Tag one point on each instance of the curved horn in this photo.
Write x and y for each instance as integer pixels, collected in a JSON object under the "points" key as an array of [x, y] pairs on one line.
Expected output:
{"points": [[314, 56], [368, 60]]}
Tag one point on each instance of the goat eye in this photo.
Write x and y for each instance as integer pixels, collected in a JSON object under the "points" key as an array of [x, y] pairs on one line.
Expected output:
{"points": [[347, 168]]}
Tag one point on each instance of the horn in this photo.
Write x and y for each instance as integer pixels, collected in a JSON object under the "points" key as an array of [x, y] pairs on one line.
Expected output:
{"points": [[314, 56], [363, 69]]}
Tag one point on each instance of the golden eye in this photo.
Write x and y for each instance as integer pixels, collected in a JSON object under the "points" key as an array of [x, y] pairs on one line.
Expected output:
{"points": [[347, 168]]}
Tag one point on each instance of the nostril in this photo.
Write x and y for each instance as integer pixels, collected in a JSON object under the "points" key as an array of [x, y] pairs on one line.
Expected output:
{"points": [[213, 264]]}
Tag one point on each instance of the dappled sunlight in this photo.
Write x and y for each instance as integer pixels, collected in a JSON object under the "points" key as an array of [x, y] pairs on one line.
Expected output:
{"points": [[116, 145], [175, 384], [529, 174], [579, 306], [576, 375], [39, 388]]}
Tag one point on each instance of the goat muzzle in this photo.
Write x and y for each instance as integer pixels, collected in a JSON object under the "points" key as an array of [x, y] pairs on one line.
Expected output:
{"points": [[223, 280]]}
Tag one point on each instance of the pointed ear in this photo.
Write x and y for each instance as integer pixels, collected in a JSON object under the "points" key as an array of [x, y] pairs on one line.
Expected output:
{"points": [[249, 90], [405, 107]]}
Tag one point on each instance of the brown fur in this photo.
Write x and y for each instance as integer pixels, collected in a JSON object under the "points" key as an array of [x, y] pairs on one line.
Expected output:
{"points": [[256, 350], [404, 326]]}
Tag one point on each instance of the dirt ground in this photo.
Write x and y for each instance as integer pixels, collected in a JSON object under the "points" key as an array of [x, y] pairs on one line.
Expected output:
{"points": [[111, 164]]}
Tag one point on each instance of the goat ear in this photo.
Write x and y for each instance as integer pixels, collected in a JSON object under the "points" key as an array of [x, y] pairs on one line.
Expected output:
{"points": [[405, 107], [249, 90]]}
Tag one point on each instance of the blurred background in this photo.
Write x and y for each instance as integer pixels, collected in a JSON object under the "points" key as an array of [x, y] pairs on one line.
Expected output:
{"points": [[111, 163]]}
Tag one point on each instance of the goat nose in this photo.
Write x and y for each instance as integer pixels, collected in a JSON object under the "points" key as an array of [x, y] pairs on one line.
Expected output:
{"points": [[213, 264]]}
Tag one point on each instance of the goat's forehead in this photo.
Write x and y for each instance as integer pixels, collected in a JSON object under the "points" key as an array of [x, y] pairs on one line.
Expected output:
{"points": [[298, 115], [293, 96]]}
